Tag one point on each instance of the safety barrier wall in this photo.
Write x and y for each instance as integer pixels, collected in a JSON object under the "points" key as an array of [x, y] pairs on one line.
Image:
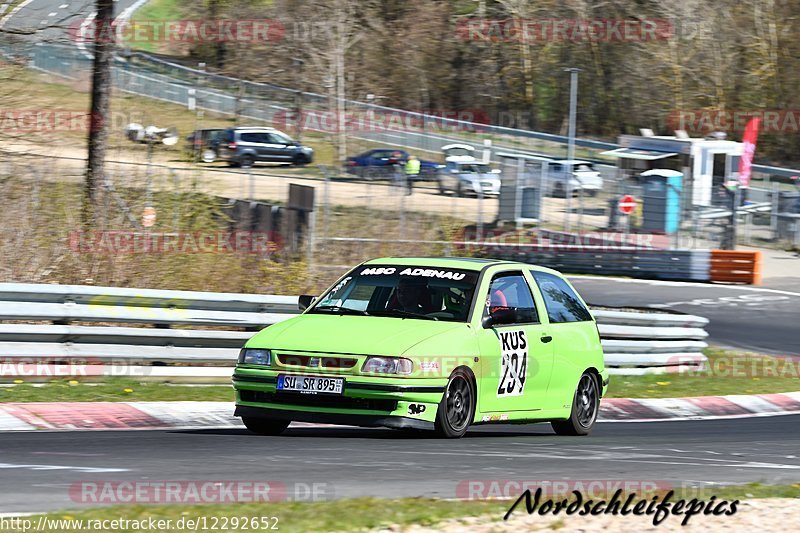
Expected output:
{"points": [[631, 340], [736, 266], [645, 263]]}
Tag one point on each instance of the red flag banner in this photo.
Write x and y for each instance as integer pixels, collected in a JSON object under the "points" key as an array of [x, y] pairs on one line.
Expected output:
{"points": [[749, 141]]}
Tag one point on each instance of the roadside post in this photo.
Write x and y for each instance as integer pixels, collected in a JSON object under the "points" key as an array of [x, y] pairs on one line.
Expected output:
{"points": [[626, 205]]}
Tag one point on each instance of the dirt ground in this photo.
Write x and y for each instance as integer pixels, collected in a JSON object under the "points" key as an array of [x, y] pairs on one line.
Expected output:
{"points": [[271, 183]]}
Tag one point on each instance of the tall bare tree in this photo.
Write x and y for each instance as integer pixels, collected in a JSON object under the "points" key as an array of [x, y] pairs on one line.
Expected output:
{"points": [[99, 110]]}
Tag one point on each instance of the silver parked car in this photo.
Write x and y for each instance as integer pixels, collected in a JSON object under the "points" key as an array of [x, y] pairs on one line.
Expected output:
{"points": [[469, 178], [245, 146]]}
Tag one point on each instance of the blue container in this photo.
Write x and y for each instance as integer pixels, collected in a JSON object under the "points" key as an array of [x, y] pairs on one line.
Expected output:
{"points": [[661, 199]]}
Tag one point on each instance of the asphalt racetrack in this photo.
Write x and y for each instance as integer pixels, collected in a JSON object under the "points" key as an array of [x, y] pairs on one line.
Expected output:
{"points": [[40, 470], [762, 320]]}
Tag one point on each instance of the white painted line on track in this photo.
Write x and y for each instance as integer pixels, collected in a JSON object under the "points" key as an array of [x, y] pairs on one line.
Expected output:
{"points": [[13, 12], [84, 469]]}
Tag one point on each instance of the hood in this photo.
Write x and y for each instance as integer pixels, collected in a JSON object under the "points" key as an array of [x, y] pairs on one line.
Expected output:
{"points": [[350, 334]]}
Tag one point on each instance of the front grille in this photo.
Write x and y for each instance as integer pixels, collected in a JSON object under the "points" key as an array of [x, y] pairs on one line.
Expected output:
{"points": [[317, 400], [318, 362]]}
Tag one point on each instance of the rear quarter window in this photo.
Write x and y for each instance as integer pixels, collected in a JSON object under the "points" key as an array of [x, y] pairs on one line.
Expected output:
{"points": [[560, 300]]}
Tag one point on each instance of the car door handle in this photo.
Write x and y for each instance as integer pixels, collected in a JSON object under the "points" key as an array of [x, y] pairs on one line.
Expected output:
{"points": [[546, 338]]}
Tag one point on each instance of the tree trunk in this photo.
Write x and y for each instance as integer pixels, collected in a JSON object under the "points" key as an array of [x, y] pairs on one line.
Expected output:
{"points": [[98, 127]]}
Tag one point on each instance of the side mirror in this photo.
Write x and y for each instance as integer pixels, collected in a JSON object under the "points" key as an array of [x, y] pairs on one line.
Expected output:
{"points": [[305, 301], [499, 317]]}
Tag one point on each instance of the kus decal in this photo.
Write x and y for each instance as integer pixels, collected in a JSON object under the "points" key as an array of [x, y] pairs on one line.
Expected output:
{"points": [[513, 363]]}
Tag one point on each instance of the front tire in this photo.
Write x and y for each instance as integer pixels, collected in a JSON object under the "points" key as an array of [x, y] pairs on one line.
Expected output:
{"points": [[585, 406], [457, 408], [265, 426]]}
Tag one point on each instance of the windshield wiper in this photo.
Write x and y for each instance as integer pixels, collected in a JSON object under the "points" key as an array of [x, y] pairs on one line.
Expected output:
{"points": [[340, 309], [400, 312]]}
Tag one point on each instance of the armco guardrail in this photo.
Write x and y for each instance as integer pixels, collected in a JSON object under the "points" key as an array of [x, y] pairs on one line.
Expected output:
{"points": [[632, 340], [640, 342]]}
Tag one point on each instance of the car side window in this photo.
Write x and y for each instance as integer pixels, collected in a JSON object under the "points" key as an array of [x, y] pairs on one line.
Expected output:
{"points": [[251, 137], [510, 290], [561, 302]]}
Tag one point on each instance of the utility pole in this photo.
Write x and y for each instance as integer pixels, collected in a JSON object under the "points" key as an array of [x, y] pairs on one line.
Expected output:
{"points": [[573, 104]]}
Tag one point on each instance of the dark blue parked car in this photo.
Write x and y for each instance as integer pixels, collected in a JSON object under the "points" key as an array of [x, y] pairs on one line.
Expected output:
{"points": [[380, 163]]}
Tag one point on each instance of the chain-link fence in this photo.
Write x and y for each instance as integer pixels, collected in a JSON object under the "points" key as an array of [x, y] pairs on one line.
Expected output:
{"points": [[578, 201]]}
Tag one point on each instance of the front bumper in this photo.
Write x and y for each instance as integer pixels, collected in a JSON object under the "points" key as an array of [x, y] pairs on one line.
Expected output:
{"points": [[365, 401], [485, 188], [344, 419]]}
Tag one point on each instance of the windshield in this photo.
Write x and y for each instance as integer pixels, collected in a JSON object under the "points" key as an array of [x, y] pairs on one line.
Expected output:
{"points": [[475, 169], [282, 137], [423, 293]]}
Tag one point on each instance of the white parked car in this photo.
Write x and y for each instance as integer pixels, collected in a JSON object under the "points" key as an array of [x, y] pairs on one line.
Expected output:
{"points": [[585, 178], [464, 178]]}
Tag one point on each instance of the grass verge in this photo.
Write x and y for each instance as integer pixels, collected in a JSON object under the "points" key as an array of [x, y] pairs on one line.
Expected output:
{"points": [[112, 390], [727, 372], [361, 514]]}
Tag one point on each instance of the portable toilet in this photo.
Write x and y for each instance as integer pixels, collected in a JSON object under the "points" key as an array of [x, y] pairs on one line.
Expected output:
{"points": [[661, 199]]}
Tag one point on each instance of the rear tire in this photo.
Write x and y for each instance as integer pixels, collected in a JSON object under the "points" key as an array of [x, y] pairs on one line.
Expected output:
{"points": [[457, 408], [265, 426], [585, 405], [246, 161]]}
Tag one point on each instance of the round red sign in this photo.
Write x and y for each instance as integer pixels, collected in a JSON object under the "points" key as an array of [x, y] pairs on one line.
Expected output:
{"points": [[627, 204]]}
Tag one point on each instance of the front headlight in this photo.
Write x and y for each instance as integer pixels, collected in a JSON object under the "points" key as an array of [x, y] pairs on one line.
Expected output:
{"points": [[388, 365], [253, 356]]}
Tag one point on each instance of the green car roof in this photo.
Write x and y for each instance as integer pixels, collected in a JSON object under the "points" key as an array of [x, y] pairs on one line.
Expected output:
{"points": [[463, 263]]}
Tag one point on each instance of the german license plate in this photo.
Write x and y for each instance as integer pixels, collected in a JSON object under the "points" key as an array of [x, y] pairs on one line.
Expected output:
{"points": [[310, 384]]}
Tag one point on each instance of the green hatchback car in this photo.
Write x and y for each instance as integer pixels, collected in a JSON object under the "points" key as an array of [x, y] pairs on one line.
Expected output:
{"points": [[425, 343]]}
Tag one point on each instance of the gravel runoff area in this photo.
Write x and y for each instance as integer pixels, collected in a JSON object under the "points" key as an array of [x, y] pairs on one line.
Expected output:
{"points": [[768, 514]]}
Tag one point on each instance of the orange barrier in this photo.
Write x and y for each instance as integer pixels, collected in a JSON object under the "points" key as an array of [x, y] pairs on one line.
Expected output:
{"points": [[736, 266]]}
